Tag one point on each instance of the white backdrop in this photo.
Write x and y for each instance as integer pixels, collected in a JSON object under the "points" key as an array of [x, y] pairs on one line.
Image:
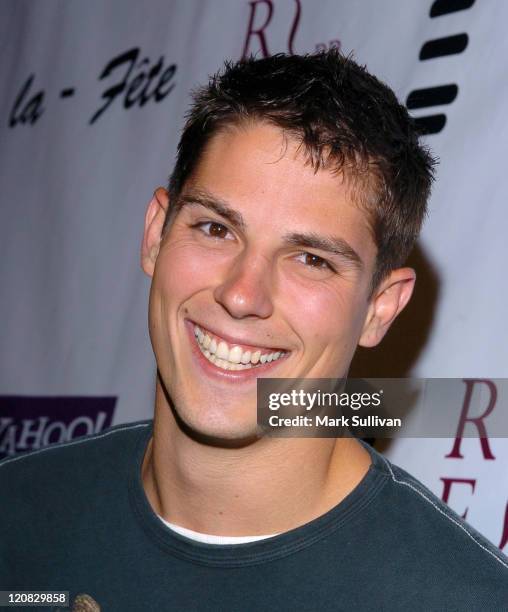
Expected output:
{"points": [[75, 350]]}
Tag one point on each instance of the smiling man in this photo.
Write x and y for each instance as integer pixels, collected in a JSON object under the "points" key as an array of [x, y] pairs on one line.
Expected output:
{"points": [[279, 247]]}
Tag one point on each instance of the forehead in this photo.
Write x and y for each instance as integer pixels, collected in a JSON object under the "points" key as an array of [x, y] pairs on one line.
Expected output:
{"points": [[266, 175]]}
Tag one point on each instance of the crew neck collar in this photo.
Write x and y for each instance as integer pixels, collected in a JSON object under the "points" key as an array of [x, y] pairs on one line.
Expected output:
{"points": [[210, 538], [252, 553]]}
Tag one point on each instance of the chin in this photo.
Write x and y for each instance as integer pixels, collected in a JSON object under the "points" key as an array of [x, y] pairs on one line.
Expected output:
{"points": [[224, 437], [219, 431]]}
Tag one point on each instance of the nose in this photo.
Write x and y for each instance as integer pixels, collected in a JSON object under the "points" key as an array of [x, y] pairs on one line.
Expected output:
{"points": [[246, 290]]}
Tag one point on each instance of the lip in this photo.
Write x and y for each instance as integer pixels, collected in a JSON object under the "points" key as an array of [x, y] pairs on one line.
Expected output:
{"points": [[249, 375], [244, 343]]}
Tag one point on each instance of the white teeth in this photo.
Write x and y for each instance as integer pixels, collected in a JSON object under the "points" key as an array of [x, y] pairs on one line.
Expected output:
{"points": [[235, 354], [222, 350], [230, 358]]}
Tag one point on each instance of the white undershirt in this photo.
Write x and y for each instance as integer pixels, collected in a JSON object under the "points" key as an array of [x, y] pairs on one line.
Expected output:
{"points": [[214, 539]]}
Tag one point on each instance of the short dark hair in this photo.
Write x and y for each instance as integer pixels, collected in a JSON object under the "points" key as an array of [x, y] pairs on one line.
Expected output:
{"points": [[346, 119]]}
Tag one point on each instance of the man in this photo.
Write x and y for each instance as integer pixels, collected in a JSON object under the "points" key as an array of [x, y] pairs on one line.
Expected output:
{"points": [[298, 192]]}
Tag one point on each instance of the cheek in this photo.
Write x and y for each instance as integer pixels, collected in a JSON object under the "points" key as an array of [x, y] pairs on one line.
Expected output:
{"points": [[324, 313], [182, 269]]}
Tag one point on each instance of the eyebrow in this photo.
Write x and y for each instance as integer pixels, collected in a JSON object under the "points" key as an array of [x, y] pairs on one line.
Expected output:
{"points": [[222, 208], [330, 244]]}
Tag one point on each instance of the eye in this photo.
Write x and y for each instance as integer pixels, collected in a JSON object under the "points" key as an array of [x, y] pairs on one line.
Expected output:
{"points": [[212, 229], [314, 261]]}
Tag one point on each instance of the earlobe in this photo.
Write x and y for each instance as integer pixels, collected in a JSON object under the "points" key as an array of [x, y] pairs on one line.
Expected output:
{"points": [[388, 302], [154, 222]]}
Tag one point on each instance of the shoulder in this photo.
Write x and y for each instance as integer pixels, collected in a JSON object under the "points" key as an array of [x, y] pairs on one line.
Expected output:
{"points": [[56, 499], [439, 537], [59, 466]]}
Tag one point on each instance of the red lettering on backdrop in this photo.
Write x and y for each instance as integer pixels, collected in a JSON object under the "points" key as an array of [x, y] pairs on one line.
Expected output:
{"points": [[294, 27], [504, 536], [259, 32], [477, 421], [447, 487]]}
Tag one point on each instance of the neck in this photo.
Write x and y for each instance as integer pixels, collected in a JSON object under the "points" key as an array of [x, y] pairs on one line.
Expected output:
{"points": [[270, 486]]}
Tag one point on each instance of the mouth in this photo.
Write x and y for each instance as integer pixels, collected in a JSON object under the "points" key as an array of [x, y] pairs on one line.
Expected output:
{"points": [[231, 356]]}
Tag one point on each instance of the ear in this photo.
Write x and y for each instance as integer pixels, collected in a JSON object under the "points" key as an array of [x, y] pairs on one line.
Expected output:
{"points": [[154, 222], [388, 301]]}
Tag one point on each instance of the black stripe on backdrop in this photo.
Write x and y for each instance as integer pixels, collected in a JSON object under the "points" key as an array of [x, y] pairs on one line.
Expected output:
{"points": [[432, 96], [431, 50], [445, 7], [449, 45]]}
